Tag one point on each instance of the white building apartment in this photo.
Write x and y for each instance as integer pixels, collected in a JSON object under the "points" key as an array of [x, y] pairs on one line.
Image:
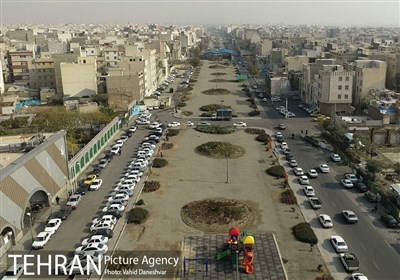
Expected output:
{"points": [[335, 87], [79, 79]]}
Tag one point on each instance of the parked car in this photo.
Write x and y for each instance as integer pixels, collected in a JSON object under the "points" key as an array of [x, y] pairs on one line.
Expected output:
{"points": [[13, 272], [336, 158], [96, 247], [90, 179], [303, 180], [390, 221], [358, 276], [41, 240], [282, 126], [284, 146], [63, 213], [115, 150], [315, 202], [308, 191], [371, 197], [53, 225], [338, 244], [132, 129], [104, 232], [298, 171], [204, 123], [105, 218], [349, 261], [100, 239], [325, 221], [102, 225], [312, 173], [96, 185], [361, 187], [324, 168], [350, 216], [293, 163], [118, 207], [353, 178], [74, 200], [189, 123], [174, 124], [347, 183], [103, 163], [240, 124]]}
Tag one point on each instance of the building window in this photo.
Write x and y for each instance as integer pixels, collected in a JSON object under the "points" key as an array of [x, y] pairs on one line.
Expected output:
{"points": [[346, 96], [339, 96], [115, 57], [340, 79], [22, 56], [347, 78], [339, 87], [346, 87]]}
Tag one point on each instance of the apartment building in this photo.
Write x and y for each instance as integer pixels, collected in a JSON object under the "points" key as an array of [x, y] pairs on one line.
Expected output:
{"points": [[111, 56], [19, 66], [79, 79], [58, 59], [295, 63], [393, 71], [335, 87], [2, 88], [264, 47], [43, 75]]}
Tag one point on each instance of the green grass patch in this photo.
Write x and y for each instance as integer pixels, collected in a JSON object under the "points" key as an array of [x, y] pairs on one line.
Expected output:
{"points": [[277, 171], [217, 149], [137, 216], [216, 129], [305, 233], [213, 107]]}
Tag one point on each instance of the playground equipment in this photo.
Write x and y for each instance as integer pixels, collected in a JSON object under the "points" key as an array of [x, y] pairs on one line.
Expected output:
{"points": [[236, 246]]}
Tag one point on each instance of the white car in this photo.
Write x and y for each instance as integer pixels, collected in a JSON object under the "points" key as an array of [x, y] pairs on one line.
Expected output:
{"points": [[105, 218], [153, 137], [290, 115], [189, 123], [339, 244], [353, 178], [53, 225], [298, 171], [124, 187], [100, 239], [115, 150], [308, 191], [275, 99], [154, 125], [128, 182], [132, 128], [124, 138], [174, 124], [134, 178], [125, 191], [41, 240], [204, 123], [358, 276], [303, 180], [74, 200], [118, 207], [325, 221], [278, 134], [293, 163], [136, 172], [103, 225], [264, 100], [96, 185], [240, 124], [350, 216], [119, 143], [118, 196], [103, 163], [312, 173], [324, 168], [284, 146], [117, 201], [347, 183], [96, 247], [336, 158]]}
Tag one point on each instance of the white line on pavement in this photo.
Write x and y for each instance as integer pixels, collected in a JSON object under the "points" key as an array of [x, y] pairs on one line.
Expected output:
{"points": [[334, 205], [376, 265], [362, 246], [387, 243]]}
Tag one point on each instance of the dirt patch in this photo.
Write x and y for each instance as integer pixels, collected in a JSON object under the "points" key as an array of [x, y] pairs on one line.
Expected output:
{"points": [[218, 74], [216, 91], [217, 66], [214, 215]]}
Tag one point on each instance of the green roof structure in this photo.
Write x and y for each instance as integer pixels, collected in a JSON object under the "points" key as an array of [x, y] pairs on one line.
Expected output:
{"points": [[241, 78]]}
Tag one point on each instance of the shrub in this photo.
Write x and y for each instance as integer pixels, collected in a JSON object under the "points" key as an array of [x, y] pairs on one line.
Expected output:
{"points": [[140, 201], [172, 132], [159, 162], [254, 113], [167, 146], [215, 129], [216, 91], [137, 215], [213, 107], [187, 113], [181, 104], [263, 137], [207, 114], [251, 100], [217, 149], [151, 186], [305, 233], [252, 130], [276, 171]]}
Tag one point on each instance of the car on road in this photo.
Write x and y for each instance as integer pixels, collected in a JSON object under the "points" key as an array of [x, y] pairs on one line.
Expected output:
{"points": [[338, 244], [347, 183], [350, 262], [132, 129], [96, 247], [298, 171], [371, 197], [240, 124], [390, 221], [74, 200], [280, 139], [315, 202], [350, 216], [41, 240], [264, 100], [13, 272], [104, 232], [63, 213], [308, 191], [275, 99], [118, 196], [303, 180], [174, 124], [312, 173], [115, 150], [90, 179], [353, 178], [324, 168], [102, 225], [293, 163], [125, 192], [282, 126], [361, 187], [96, 185], [154, 125], [119, 143], [204, 123], [100, 239], [358, 276], [284, 146], [289, 157], [105, 218], [336, 158], [53, 225], [124, 138], [290, 115], [103, 163], [189, 123], [325, 221], [278, 134], [116, 206]]}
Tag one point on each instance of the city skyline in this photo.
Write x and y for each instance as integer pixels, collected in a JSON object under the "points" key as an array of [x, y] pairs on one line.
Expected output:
{"points": [[333, 12]]}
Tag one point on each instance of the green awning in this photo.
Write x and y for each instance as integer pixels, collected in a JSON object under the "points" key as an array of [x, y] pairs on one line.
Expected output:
{"points": [[241, 78]]}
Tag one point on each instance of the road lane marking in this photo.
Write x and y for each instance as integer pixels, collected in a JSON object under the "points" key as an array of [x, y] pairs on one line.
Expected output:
{"points": [[387, 243], [362, 246], [334, 205], [376, 265]]}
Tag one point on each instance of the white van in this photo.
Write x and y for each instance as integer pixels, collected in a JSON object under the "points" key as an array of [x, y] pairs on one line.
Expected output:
{"points": [[14, 272]]}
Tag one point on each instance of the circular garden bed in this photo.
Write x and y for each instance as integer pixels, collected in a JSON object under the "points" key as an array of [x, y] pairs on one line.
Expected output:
{"points": [[216, 91]]}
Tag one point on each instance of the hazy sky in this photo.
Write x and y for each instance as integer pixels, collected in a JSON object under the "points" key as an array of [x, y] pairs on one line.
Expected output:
{"points": [[333, 12]]}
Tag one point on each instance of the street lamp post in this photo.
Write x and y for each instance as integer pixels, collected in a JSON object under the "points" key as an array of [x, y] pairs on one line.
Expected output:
{"points": [[50, 203], [30, 223], [227, 169]]}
